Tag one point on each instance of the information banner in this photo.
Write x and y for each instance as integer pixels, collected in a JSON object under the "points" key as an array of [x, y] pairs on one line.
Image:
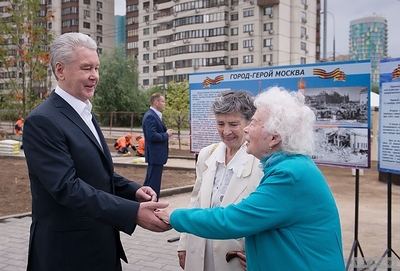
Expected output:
{"points": [[338, 92], [389, 117]]}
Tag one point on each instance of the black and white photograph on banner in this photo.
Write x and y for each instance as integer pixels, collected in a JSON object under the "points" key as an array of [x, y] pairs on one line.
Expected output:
{"points": [[344, 106], [346, 147]]}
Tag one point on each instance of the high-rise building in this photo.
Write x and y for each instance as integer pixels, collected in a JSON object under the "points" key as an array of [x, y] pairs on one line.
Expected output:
{"points": [[369, 40], [120, 30], [173, 38]]}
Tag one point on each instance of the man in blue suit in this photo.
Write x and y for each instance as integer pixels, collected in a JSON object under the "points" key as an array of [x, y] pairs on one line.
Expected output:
{"points": [[157, 136], [79, 204]]}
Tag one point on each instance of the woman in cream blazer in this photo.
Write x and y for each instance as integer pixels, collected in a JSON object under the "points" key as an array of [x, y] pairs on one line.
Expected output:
{"points": [[225, 174]]}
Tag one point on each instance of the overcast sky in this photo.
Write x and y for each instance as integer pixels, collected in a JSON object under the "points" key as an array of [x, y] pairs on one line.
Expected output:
{"points": [[345, 11]]}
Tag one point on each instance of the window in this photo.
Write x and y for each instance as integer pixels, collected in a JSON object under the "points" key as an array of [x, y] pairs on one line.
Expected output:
{"points": [[99, 51], [86, 2], [268, 26], [155, 29], [86, 13], [303, 31], [86, 25], [99, 5], [248, 59], [248, 13], [155, 55], [267, 58], [303, 17], [146, 57], [146, 44], [234, 46], [303, 60], [146, 31], [268, 11], [268, 42], [234, 61], [248, 28], [99, 16], [304, 2], [146, 69], [303, 46], [100, 29], [248, 43], [146, 82], [99, 39], [146, 18], [234, 31], [234, 17]]}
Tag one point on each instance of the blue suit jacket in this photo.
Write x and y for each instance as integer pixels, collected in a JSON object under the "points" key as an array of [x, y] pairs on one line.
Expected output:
{"points": [[76, 215], [155, 134]]}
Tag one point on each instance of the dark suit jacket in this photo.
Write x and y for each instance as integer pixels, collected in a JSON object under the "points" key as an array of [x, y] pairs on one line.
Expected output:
{"points": [[79, 204], [155, 133]]}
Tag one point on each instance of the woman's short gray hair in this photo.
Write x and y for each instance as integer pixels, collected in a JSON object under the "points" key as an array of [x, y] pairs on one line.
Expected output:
{"points": [[62, 49], [235, 101], [288, 117]]}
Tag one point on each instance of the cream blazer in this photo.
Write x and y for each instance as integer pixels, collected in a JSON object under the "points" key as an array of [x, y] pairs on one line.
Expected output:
{"points": [[238, 188]]}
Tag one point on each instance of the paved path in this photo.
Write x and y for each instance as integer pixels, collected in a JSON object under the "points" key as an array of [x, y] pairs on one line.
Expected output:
{"points": [[148, 251], [145, 250]]}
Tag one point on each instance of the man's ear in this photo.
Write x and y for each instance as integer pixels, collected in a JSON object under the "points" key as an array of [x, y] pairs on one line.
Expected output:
{"points": [[59, 71]]}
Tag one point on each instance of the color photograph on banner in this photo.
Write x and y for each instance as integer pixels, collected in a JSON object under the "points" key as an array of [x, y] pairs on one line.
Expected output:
{"points": [[389, 117], [337, 92]]}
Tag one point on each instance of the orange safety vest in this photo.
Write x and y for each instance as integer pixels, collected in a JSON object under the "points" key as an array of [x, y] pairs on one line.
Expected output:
{"points": [[18, 127], [122, 143], [140, 148]]}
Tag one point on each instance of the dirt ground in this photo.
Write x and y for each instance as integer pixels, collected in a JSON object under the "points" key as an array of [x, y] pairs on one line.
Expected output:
{"points": [[372, 227], [15, 195]]}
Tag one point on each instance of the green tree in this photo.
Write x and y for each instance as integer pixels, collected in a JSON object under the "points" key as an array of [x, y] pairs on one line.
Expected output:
{"points": [[176, 112], [375, 89], [24, 54], [118, 90]]}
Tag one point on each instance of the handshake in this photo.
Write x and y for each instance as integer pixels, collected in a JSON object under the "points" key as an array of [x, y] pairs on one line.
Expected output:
{"points": [[163, 214]]}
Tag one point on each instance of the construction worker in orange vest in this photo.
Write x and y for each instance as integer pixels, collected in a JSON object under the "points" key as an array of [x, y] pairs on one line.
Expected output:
{"points": [[18, 126], [140, 146], [123, 143]]}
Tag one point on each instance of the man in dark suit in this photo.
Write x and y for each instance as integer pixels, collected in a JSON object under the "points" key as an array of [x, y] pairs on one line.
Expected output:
{"points": [[79, 204], [157, 136]]}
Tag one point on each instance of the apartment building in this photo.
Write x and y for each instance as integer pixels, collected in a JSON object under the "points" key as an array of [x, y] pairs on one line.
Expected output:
{"points": [[174, 38]]}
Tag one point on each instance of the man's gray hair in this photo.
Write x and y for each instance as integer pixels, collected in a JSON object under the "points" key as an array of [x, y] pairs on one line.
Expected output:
{"points": [[235, 101], [62, 49]]}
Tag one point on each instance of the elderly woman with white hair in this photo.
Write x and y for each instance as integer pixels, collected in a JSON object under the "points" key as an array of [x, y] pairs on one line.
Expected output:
{"points": [[291, 221]]}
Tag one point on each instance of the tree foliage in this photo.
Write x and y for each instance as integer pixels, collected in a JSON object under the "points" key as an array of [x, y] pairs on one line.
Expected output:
{"points": [[118, 90], [24, 54], [176, 112], [375, 89]]}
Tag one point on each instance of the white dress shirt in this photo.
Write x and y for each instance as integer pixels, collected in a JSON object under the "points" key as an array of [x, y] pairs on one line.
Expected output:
{"points": [[84, 110]]}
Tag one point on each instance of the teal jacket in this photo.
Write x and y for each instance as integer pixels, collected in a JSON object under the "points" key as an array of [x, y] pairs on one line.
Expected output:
{"points": [[290, 222]]}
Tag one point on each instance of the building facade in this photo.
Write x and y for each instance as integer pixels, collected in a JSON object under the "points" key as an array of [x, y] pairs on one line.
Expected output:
{"points": [[174, 38], [369, 40]]}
